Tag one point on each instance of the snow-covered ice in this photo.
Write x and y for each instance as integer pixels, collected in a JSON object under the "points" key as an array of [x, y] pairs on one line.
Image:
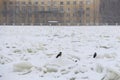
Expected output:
{"points": [[29, 53]]}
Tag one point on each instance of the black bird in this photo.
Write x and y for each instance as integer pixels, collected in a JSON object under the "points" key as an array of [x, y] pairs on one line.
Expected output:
{"points": [[59, 55], [95, 54]]}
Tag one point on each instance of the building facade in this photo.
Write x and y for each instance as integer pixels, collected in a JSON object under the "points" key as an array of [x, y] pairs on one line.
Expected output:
{"points": [[109, 10], [45, 11], [1, 7]]}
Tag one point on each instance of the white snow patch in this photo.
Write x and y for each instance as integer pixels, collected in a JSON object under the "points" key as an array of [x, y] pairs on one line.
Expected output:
{"points": [[29, 53]]}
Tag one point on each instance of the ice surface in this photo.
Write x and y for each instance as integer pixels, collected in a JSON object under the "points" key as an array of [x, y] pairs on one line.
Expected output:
{"points": [[29, 53]]}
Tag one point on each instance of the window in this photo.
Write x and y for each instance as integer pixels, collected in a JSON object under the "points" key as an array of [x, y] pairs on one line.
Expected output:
{"points": [[61, 3], [17, 10], [29, 3], [81, 3], [81, 12], [88, 2], [49, 3], [87, 20], [10, 2], [4, 3], [74, 14], [36, 8], [80, 21], [61, 9], [68, 2], [87, 9], [23, 3], [24, 10], [17, 3], [68, 15], [54, 3], [36, 3], [29, 10], [55, 9], [68, 9], [42, 3], [74, 2], [87, 12]]}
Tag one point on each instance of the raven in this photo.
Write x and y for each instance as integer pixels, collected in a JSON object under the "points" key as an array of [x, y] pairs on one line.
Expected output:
{"points": [[95, 54], [60, 54]]}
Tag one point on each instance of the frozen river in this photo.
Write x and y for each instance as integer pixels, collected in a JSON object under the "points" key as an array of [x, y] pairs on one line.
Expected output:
{"points": [[29, 53]]}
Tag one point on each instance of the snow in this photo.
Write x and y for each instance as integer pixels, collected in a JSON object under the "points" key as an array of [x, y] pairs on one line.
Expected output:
{"points": [[29, 53]]}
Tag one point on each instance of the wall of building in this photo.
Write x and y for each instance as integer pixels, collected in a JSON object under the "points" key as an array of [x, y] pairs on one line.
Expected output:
{"points": [[43, 11], [1, 6], [109, 10]]}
